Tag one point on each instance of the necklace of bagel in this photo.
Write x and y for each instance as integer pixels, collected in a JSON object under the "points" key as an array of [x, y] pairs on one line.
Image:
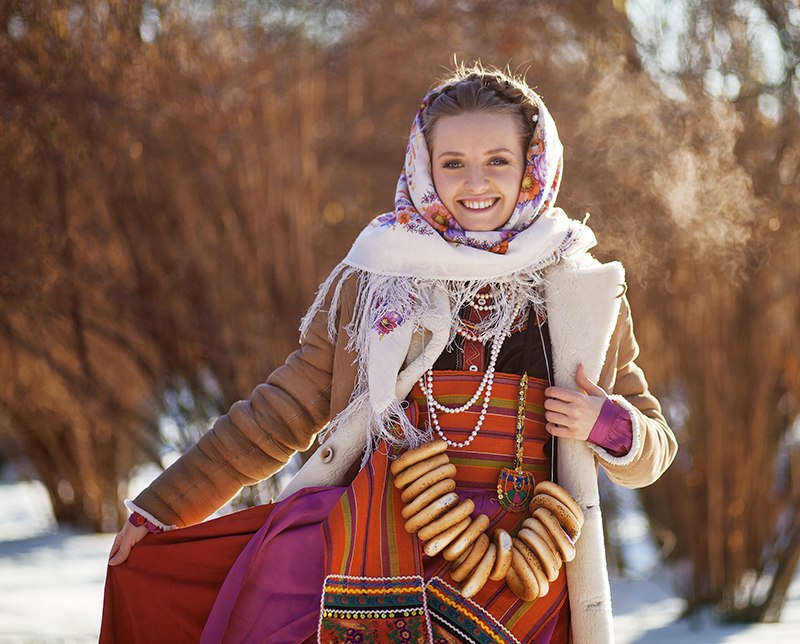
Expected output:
{"points": [[528, 561]]}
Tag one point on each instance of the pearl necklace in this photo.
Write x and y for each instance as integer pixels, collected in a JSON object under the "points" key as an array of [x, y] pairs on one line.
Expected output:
{"points": [[487, 382], [479, 302], [465, 329]]}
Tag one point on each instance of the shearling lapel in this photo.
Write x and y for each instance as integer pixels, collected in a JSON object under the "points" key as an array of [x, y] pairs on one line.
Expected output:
{"points": [[582, 309]]}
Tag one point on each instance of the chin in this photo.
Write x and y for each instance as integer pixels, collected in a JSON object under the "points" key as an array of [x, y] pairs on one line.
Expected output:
{"points": [[477, 224], [482, 226]]}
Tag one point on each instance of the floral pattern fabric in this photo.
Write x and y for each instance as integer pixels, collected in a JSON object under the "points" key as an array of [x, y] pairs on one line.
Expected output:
{"points": [[418, 208]]}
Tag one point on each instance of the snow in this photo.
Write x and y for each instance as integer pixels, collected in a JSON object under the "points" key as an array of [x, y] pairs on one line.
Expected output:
{"points": [[647, 612], [51, 580], [51, 586]]}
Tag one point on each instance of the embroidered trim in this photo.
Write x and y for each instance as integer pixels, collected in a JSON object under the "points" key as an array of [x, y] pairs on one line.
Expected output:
{"points": [[448, 608]]}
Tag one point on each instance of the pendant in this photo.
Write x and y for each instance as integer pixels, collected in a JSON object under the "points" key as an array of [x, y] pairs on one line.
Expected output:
{"points": [[514, 488]]}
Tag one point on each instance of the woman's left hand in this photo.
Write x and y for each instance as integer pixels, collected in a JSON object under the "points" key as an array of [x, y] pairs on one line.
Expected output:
{"points": [[572, 414]]}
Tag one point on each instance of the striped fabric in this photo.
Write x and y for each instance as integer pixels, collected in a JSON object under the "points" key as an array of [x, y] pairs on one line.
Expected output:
{"points": [[493, 449], [365, 538]]}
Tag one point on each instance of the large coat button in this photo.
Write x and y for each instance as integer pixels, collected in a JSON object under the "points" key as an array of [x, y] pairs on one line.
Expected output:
{"points": [[326, 454]]}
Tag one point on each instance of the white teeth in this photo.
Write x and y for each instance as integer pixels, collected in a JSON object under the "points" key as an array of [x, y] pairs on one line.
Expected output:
{"points": [[478, 205]]}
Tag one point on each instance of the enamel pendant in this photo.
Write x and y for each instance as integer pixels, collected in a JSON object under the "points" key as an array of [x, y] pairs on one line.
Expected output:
{"points": [[514, 485], [514, 489]]}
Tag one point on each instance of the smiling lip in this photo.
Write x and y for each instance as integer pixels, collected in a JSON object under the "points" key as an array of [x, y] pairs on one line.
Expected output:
{"points": [[478, 205]]}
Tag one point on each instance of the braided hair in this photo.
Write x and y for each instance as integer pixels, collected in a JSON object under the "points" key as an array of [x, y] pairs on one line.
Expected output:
{"points": [[480, 90]]}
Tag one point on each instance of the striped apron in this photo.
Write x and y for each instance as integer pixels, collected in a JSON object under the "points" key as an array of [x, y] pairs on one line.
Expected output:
{"points": [[380, 587]]}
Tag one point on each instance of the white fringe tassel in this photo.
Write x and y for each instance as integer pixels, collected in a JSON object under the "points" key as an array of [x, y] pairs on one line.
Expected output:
{"points": [[409, 298]]}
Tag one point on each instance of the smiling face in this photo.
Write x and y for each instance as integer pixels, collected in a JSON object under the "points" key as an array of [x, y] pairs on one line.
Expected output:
{"points": [[477, 164]]}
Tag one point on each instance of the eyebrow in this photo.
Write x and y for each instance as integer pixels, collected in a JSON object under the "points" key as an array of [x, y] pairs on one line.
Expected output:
{"points": [[488, 153]]}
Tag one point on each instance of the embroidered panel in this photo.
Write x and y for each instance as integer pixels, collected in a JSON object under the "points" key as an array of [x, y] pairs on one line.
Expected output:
{"points": [[367, 609]]}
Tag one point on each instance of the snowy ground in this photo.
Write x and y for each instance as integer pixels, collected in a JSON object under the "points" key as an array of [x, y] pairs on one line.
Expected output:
{"points": [[51, 588]]}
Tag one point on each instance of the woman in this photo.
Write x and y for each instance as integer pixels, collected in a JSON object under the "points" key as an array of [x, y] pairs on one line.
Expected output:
{"points": [[472, 314]]}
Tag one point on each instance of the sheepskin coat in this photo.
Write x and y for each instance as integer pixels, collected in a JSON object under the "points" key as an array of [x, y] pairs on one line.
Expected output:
{"points": [[589, 320]]}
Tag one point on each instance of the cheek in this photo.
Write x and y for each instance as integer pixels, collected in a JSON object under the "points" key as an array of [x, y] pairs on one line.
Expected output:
{"points": [[436, 178], [516, 182], [442, 184]]}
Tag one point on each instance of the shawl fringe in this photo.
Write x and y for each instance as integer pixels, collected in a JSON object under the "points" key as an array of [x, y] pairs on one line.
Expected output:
{"points": [[385, 302]]}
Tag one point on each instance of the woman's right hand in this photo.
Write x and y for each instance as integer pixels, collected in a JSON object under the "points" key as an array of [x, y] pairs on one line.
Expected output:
{"points": [[126, 538]]}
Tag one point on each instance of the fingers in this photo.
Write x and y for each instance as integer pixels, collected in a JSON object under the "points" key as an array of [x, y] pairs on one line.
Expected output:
{"points": [[572, 414], [124, 542], [119, 551], [563, 412], [554, 418], [559, 393], [590, 387], [556, 406], [559, 430], [558, 413], [578, 420]]}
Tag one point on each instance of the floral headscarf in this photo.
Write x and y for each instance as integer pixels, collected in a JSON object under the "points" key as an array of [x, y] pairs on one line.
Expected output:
{"points": [[417, 205]]}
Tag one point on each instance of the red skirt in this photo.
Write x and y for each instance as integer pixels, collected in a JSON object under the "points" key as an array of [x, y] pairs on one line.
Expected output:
{"points": [[166, 588]]}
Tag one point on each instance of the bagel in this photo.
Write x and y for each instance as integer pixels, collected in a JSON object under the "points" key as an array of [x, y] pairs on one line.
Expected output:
{"points": [[520, 578], [455, 564], [430, 513], [535, 565], [416, 455], [480, 574], [517, 587], [502, 541], [459, 546], [548, 487], [427, 497], [460, 571], [534, 525], [448, 520], [565, 547], [565, 516], [442, 540], [551, 563], [414, 472], [427, 480]]}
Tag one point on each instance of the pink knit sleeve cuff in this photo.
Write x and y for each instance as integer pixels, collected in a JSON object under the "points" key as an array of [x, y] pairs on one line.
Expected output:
{"points": [[613, 430]]}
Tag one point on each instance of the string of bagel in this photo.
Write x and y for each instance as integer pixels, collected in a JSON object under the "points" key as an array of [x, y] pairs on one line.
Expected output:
{"points": [[528, 561]]}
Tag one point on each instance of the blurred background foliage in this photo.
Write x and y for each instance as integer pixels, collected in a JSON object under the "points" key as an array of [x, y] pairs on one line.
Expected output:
{"points": [[177, 177]]}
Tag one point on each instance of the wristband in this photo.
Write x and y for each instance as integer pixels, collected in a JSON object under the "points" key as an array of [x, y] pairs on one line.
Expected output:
{"points": [[137, 520]]}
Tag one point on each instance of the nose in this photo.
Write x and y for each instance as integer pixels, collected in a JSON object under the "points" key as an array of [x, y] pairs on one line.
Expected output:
{"points": [[477, 181]]}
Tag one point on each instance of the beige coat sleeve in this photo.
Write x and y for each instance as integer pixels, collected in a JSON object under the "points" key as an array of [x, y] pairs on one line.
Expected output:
{"points": [[654, 445], [256, 438]]}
